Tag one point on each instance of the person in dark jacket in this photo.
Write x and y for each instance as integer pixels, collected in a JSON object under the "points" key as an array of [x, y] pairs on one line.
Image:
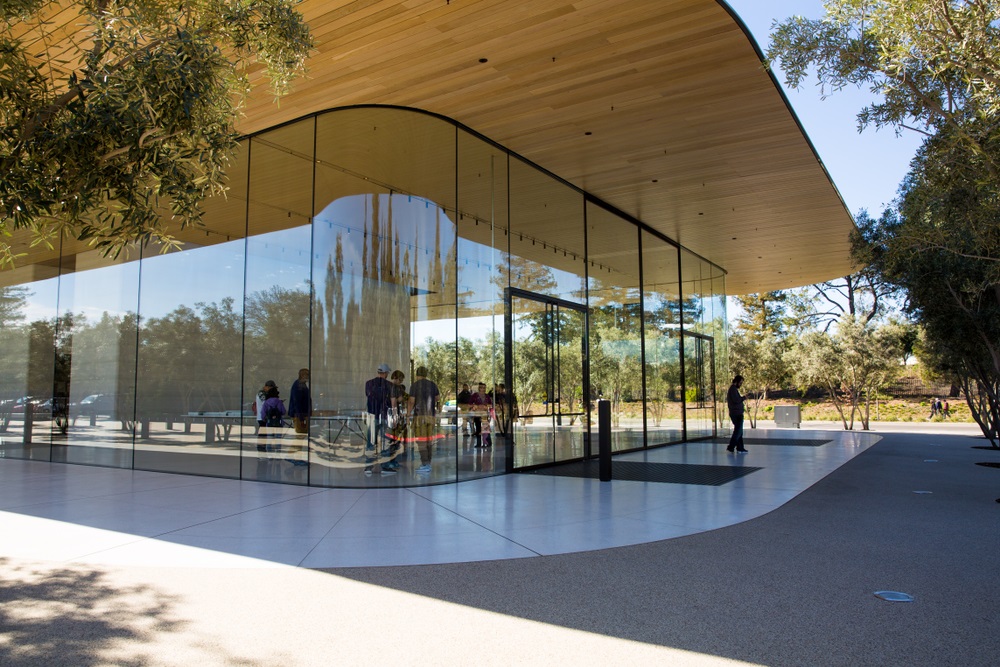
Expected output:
{"points": [[300, 402], [378, 395], [736, 401]]}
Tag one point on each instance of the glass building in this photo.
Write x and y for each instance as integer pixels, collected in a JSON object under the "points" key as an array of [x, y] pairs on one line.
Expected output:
{"points": [[546, 203], [331, 254]]}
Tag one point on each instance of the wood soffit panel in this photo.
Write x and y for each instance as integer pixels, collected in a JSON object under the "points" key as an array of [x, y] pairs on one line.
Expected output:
{"points": [[659, 107]]}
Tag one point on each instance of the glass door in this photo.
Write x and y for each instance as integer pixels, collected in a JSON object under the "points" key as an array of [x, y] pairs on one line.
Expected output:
{"points": [[699, 381], [546, 378]]}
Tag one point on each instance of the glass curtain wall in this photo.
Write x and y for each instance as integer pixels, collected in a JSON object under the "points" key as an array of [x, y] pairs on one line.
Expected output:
{"points": [[482, 281], [94, 390], [662, 328], [698, 345], [615, 334], [547, 274], [499, 301], [188, 400], [720, 333], [276, 303], [386, 242], [29, 319]]}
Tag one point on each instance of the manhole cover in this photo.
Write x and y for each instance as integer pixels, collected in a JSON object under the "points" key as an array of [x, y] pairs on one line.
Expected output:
{"points": [[989, 464], [894, 596]]}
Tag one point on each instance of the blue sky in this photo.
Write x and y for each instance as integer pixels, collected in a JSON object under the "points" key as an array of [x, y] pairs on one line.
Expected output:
{"points": [[868, 167]]}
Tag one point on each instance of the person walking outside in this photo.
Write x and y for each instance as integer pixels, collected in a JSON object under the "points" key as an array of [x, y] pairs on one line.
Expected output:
{"points": [[736, 401]]}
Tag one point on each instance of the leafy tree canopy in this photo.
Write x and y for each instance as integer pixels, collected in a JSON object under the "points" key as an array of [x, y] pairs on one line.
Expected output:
{"points": [[125, 126], [942, 245], [935, 62]]}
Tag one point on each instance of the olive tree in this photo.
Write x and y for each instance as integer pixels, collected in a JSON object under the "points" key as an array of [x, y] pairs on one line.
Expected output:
{"points": [[119, 130], [851, 363]]}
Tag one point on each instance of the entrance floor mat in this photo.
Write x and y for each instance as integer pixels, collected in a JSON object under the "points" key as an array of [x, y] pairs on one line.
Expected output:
{"points": [[642, 471], [777, 442]]}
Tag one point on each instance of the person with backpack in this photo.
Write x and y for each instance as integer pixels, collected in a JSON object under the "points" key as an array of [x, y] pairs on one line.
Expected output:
{"points": [[273, 411], [258, 409]]}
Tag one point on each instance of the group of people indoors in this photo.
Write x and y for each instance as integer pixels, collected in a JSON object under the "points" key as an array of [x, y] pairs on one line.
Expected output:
{"points": [[396, 417]]}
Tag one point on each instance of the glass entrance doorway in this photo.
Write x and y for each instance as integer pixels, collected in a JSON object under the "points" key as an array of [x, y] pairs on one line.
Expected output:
{"points": [[547, 379], [699, 381]]}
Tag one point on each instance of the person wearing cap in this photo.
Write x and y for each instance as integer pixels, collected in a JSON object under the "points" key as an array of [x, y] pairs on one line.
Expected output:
{"points": [[258, 406], [378, 392]]}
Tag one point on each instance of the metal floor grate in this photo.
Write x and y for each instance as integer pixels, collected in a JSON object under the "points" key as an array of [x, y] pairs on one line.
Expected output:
{"points": [[640, 471], [776, 442]]}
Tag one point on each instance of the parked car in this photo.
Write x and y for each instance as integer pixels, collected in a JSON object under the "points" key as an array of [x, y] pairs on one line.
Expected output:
{"points": [[96, 405], [37, 404]]}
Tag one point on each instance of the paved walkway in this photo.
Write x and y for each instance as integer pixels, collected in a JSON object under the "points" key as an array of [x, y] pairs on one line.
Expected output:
{"points": [[793, 586], [124, 517]]}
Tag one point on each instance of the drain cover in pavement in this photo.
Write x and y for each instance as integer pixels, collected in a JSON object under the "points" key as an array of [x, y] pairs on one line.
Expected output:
{"points": [[894, 596], [641, 471]]}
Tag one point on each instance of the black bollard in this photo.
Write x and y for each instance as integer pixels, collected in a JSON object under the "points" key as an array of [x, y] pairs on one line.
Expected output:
{"points": [[604, 439]]}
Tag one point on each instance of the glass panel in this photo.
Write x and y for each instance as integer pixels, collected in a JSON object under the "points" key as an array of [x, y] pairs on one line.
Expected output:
{"points": [[532, 372], [547, 352], [547, 246], [28, 330], [698, 365], [98, 300], [662, 321], [615, 324], [720, 332], [385, 247], [188, 402], [277, 307], [571, 428], [482, 244]]}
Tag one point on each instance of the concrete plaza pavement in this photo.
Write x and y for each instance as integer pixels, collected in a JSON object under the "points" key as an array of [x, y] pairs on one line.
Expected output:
{"points": [[794, 586]]}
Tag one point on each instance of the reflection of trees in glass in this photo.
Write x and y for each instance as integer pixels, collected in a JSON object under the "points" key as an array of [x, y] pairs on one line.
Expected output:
{"points": [[188, 360], [530, 377], [616, 347], [42, 358], [663, 362], [13, 341], [13, 301], [276, 338], [515, 271], [104, 363], [663, 372], [390, 261]]}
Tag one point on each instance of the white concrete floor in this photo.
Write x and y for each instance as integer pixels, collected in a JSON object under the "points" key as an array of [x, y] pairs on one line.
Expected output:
{"points": [[83, 514]]}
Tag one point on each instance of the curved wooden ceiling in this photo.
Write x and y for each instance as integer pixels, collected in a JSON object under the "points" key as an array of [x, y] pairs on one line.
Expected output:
{"points": [[659, 107]]}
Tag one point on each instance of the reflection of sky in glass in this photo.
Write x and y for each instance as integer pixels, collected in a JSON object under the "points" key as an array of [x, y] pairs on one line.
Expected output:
{"points": [[409, 231], [414, 225], [207, 274], [41, 300], [279, 259], [112, 290]]}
